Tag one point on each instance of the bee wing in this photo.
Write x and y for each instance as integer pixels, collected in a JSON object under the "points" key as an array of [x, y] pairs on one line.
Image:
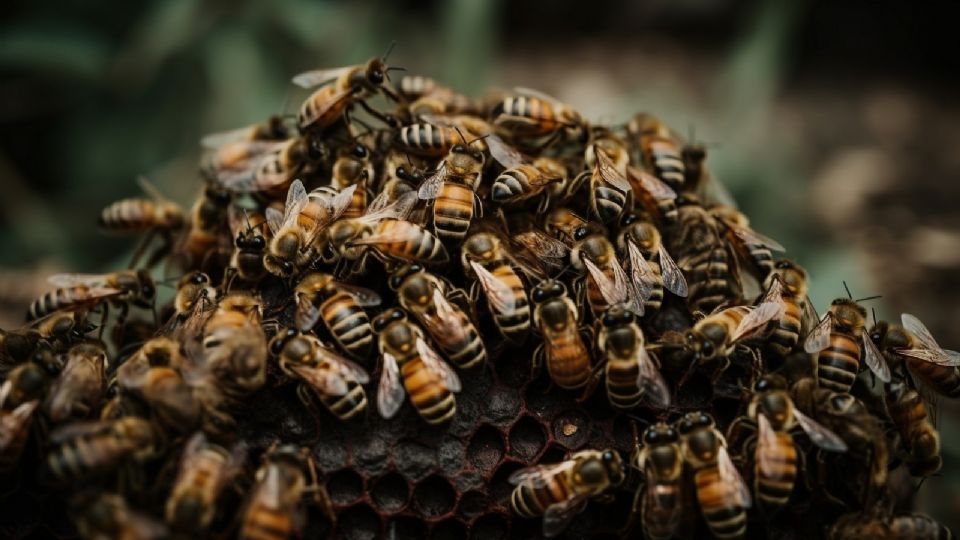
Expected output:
{"points": [[406, 234], [543, 245], [766, 439], [506, 155], [606, 171], [651, 184], [752, 237], [390, 391], [934, 356], [12, 423], [433, 184], [212, 141], [539, 476], [731, 476], [499, 295], [671, 275], [820, 435], [236, 219], [819, 338], [650, 381], [326, 381], [612, 292], [365, 297], [757, 318], [435, 364], [640, 271], [873, 358], [398, 209], [319, 77], [150, 189], [271, 488], [525, 91], [296, 200], [350, 368], [72, 280], [920, 331], [132, 374], [774, 291], [274, 219], [307, 313], [559, 515]]}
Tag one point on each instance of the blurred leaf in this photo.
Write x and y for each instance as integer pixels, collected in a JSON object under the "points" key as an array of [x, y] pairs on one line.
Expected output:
{"points": [[52, 47]]}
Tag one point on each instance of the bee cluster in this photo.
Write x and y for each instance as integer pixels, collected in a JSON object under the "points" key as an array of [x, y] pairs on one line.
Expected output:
{"points": [[456, 318]]}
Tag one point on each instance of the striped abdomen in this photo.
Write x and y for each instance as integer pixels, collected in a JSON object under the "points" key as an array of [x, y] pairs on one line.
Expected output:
{"points": [[776, 470], [598, 304], [533, 117], [762, 257], [664, 158], [349, 404], [264, 523], [567, 357], [918, 527], [453, 211], [711, 283], [129, 215], [662, 507], [83, 458], [787, 331], [621, 379], [918, 435], [515, 323], [531, 501], [414, 86], [653, 303], [607, 203], [429, 395], [320, 110], [426, 139], [414, 243], [348, 323], [57, 299], [724, 519], [514, 184], [839, 363], [943, 379], [461, 344]]}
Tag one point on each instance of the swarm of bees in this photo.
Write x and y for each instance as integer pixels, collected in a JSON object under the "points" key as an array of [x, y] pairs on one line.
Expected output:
{"points": [[406, 312]]}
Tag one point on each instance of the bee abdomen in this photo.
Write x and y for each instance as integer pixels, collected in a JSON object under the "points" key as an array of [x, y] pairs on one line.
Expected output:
{"points": [[429, 396], [622, 389], [944, 379], [349, 324], [608, 203], [128, 215], [838, 364], [472, 353], [54, 300], [787, 332], [569, 361], [349, 404], [424, 139], [667, 163], [530, 501], [453, 211], [266, 524], [777, 471], [724, 519], [762, 258]]}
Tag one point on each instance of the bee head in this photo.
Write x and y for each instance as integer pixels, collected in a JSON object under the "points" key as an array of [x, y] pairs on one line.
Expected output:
{"points": [[702, 347], [694, 420], [403, 272], [617, 315], [385, 319], [660, 433], [547, 289], [600, 471], [280, 340]]}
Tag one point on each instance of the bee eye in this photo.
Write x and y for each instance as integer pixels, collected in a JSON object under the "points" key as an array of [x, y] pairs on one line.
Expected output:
{"points": [[707, 349], [670, 435], [147, 291], [360, 151], [608, 456], [458, 148], [704, 419], [478, 156], [762, 385], [782, 264], [257, 242], [652, 437], [398, 315], [628, 219], [376, 76], [286, 267], [580, 233]]}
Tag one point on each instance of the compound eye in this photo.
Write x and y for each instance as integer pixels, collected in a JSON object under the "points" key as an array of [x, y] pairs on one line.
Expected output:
{"points": [[147, 291], [762, 385], [539, 294], [398, 315], [608, 456], [707, 349], [380, 323], [478, 156], [628, 219], [782, 264], [360, 151], [286, 267], [258, 242], [652, 437], [704, 419], [376, 77], [670, 435], [580, 233], [458, 148]]}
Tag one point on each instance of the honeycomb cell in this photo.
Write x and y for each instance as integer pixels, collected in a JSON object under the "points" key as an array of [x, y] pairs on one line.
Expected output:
{"points": [[472, 503], [501, 405], [571, 428], [538, 400], [434, 496], [344, 486], [486, 448], [490, 527], [390, 493], [527, 438], [500, 486], [370, 456], [513, 368], [451, 453], [414, 460], [359, 523], [449, 529], [406, 527], [554, 454]]}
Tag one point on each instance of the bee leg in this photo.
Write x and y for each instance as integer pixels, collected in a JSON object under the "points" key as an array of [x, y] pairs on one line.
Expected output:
{"points": [[229, 275], [591, 386], [320, 496], [718, 372], [141, 247], [386, 119], [739, 428], [104, 319], [304, 393], [536, 363]]}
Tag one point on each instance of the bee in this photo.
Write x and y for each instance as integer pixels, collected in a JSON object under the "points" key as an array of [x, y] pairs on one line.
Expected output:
{"points": [[334, 379], [880, 522], [631, 375], [108, 516], [426, 96], [560, 491], [204, 470], [271, 167], [837, 342], [426, 378], [305, 217], [606, 282], [354, 166], [389, 238], [609, 191], [235, 347], [340, 306], [230, 149], [426, 139], [350, 85], [273, 510], [655, 197], [563, 349], [659, 149], [563, 224], [425, 296], [912, 344], [152, 375], [250, 237], [59, 329], [400, 174], [713, 339], [451, 188], [773, 416], [80, 387], [723, 495], [787, 283], [415, 86], [90, 449], [484, 257], [918, 435], [201, 238], [524, 179], [652, 269], [752, 246], [74, 291], [15, 423], [156, 215], [29, 381], [528, 114], [660, 459]]}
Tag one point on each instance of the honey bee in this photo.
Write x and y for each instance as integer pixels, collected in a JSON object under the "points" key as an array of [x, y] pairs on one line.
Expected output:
{"points": [[426, 297], [152, 375], [201, 238], [90, 449], [651, 268], [340, 306], [273, 510], [426, 96], [108, 516], [713, 339], [427, 140], [156, 215], [15, 423], [660, 459], [80, 387], [388, 237], [787, 283], [295, 233], [560, 491], [350, 85], [484, 257], [609, 191], [271, 167], [204, 470], [563, 349], [659, 149], [563, 224], [428, 380], [530, 115], [451, 188], [29, 381], [837, 342], [913, 345], [60, 329], [655, 197], [880, 522], [607, 283], [723, 495], [354, 167], [234, 346], [400, 174], [918, 434], [415, 86], [772, 415], [230, 149], [89, 290], [632, 377], [752, 246], [251, 235], [524, 179], [334, 379]]}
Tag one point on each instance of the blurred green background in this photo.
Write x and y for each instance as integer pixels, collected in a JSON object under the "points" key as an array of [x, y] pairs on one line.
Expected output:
{"points": [[833, 123]]}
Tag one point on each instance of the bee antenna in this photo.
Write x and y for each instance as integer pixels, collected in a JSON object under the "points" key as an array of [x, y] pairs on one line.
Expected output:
{"points": [[389, 50], [850, 296], [874, 313], [462, 138], [869, 298], [482, 137], [639, 420]]}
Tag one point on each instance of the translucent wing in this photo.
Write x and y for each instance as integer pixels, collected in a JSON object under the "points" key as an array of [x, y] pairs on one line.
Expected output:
{"points": [[543, 245], [307, 313], [274, 219], [318, 77], [919, 331], [651, 184], [409, 233], [150, 189], [212, 141], [634, 300], [447, 320], [237, 220], [671, 275], [347, 367], [506, 155], [559, 515], [499, 295], [766, 441], [525, 91], [333, 207], [607, 171], [390, 392], [757, 318], [270, 490], [296, 201], [650, 381], [540, 475], [326, 381], [641, 272], [82, 428], [819, 435], [433, 362], [364, 296], [433, 184], [939, 356], [731, 476], [13, 422], [873, 358], [774, 291], [819, 338], [612, 292], [72, 280], [398, 209], [752, 237]]}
